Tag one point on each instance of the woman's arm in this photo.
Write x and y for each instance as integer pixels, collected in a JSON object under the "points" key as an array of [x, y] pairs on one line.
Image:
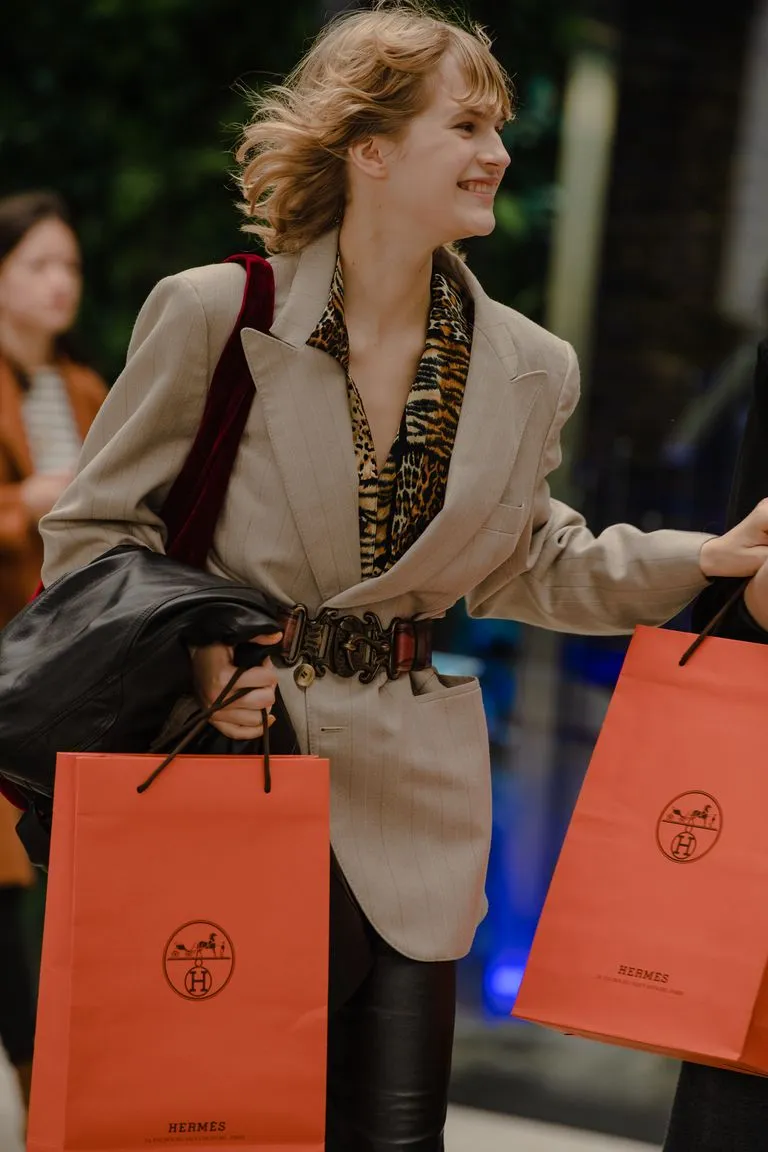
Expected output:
{"points": [[136, 448], [563, 576], [143, 431]]}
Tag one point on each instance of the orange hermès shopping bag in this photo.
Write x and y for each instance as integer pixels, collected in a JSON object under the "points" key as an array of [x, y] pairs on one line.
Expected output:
{"points": [[183, 993], [654, 933]]}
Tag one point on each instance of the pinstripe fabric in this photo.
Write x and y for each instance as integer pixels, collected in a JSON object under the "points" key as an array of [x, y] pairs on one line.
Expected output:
{"points": [[410, 771]]}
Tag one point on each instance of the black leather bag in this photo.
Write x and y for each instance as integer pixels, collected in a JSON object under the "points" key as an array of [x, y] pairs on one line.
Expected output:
{"points": [[97, 663]]}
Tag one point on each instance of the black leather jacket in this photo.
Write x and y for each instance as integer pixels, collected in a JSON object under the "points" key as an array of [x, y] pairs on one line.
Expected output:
{"points": [[98, 660]]}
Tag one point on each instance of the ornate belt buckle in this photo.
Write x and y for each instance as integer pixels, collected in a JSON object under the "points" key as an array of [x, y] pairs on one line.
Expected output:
{"points": [[366, 645], [346, 644]]}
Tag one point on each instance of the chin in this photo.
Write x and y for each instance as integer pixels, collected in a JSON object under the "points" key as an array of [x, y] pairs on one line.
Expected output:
{"points": [[480, 225], [61, 322], [486, 227], [468, 230]]}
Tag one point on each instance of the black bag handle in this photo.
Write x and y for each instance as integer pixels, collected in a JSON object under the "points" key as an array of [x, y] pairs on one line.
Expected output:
{"points": [[246, 656], [713, 623]]}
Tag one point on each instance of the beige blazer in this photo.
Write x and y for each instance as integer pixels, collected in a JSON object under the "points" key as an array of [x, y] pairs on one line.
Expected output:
{"points": [[410, 768]]}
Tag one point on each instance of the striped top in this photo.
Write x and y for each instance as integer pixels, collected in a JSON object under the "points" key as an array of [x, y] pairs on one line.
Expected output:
{"points": [[52, 432], [398, 502]]}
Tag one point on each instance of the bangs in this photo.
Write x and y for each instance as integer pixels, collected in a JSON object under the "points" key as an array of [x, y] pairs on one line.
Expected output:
{"points": [[488, 87]]}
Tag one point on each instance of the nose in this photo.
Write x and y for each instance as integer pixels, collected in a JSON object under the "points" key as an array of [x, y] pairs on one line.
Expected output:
{"points": [[495, 155], [63, 279]]}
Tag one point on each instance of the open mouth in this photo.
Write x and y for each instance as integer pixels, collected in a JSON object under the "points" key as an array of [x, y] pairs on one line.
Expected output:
{"points": [[479, 187]]}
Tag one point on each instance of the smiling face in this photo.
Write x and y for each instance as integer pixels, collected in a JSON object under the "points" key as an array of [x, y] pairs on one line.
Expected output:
{"points": [[443, 173]]}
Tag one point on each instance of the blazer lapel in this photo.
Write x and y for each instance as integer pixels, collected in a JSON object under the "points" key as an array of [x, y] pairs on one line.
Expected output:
{"points": [[495, 411], [303, 396]]}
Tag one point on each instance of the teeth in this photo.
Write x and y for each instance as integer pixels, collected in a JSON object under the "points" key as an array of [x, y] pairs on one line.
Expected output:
{"points": [[476, 186]]}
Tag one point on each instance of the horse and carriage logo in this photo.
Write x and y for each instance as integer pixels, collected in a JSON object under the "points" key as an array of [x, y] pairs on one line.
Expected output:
{"points": [[689, 827], [199, 960]]}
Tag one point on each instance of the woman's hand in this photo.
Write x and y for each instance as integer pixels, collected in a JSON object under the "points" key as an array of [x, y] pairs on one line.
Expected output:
{"points": [[740, 552], [212, 670]]}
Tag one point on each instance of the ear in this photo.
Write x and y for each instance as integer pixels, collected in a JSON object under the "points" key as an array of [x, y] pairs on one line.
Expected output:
{"points": [[370, 156]]}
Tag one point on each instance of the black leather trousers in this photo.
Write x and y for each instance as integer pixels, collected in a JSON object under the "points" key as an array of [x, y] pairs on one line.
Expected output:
{"points": [[17, 1016], [717, 1110], [390, 1036]]}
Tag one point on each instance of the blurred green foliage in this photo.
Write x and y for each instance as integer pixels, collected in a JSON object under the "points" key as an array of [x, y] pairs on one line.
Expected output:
{"points": [[130, 109]]}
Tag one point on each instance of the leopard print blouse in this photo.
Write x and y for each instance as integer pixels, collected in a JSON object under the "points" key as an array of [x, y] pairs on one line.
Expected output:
{"points": [[397, 503]]}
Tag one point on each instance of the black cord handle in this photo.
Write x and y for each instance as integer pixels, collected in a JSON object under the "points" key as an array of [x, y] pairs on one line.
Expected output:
{"points": [[713, 623], [246, 656]]}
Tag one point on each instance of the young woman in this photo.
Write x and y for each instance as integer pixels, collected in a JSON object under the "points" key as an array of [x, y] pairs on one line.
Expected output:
{"points": [[395, 460], [47, 399], [47, 404]]}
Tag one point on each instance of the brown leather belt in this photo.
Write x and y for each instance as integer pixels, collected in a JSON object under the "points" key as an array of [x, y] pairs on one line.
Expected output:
{"points": [[351, 646]]}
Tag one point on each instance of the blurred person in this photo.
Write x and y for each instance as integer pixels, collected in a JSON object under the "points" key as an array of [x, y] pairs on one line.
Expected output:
{"points": [[395, 460], [47, 399], [716, 1109], [47, 403]]}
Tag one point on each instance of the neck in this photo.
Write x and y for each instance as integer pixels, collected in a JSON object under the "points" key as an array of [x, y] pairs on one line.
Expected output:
{"points": [[387, 283], [29, 348]]}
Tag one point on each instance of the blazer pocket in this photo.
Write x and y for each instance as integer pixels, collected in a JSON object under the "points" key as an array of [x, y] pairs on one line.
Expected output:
{"points": [[508, 519], [429, 685]]}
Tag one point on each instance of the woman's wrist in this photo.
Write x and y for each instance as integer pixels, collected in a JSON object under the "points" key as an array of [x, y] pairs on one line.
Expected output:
{"points": [[708, 557]]}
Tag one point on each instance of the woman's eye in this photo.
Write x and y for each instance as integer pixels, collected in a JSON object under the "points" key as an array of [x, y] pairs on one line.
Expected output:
{"points": [[468, 127]]}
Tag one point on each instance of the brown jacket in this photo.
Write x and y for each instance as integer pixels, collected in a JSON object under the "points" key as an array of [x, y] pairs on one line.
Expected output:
{"points": [[15, 868], [21, 550]]}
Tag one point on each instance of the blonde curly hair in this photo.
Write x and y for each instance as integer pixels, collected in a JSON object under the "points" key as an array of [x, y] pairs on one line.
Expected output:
{"points": [[368, 73]]}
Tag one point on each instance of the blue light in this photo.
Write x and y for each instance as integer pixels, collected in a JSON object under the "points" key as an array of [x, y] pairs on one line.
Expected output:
{"points": [[501, 984], [505, 981]]}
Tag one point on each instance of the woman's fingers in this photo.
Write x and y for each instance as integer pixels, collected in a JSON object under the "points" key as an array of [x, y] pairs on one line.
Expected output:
{"points": [[214, 670], [257, 680], [261, 696], [247, 714], [240, 731]]}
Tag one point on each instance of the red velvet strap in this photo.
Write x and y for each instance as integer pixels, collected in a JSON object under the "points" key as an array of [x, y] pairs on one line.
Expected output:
{"points": [[194, 503], [197, 496]]}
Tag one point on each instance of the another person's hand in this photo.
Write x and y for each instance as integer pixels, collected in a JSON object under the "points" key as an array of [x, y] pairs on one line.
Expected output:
{"points": [[740, 552], [213, 668], [756, 597], [40, 492]]}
